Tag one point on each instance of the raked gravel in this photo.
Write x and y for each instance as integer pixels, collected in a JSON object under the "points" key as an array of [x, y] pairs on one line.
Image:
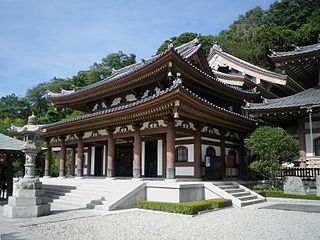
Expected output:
{"points": [[231, 223]]}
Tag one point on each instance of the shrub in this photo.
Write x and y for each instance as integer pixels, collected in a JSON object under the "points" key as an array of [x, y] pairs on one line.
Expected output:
{"points": [[261, 192], [189, 208], [219, 202], [266, 187]]}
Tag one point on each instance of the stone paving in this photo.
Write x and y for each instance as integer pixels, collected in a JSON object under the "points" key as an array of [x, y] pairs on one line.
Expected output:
{"points": [[251, 222]]}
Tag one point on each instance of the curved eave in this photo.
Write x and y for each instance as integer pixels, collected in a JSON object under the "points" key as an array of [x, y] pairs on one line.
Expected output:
{"points": [[247, 65], [163, 102]]}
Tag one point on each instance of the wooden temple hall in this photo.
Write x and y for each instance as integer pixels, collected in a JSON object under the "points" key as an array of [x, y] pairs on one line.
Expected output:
{"points": [[174, 115]]}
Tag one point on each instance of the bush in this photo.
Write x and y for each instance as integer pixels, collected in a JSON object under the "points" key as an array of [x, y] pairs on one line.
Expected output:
{"points": [[219, 202], [261, 192], [280, 194], [266, 187], [188, 208]]}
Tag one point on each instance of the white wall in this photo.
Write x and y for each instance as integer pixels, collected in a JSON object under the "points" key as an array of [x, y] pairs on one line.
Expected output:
{"points": [[185, 171]]}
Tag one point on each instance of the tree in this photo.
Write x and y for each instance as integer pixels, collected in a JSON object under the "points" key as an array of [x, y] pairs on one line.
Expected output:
{"points": [[272, 145]]}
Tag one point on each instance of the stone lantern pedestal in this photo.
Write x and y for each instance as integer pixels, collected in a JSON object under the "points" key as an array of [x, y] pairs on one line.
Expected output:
{"points": [[28, 199]]}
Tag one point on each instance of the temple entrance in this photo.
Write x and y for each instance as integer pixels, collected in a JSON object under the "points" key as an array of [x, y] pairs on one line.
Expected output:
{"points": [[124, 160], [98, 161], [151, 159], [212, 165]]}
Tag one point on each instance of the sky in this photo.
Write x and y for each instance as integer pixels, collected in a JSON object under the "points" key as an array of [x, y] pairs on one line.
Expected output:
{"points": [[42, 39]]}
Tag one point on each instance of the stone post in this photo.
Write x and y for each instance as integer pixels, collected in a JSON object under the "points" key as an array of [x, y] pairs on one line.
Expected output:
{"points": [[111, 158], [171, 151], [62, 157], [80, 156], [137, 152]]}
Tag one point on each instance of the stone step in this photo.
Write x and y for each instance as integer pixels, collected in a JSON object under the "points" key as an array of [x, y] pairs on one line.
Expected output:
{"points": [[241, 194], [223, 183], [70, 203], [235, 190], [80, 200], [250, 202], [225, 187], [245, 198], [51, 192]]}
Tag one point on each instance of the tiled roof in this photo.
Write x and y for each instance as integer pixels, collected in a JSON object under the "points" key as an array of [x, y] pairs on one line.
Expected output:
{"points": [[298, 50], [309, 97], [228, 76], [185, 51], [218, 49], [10, 144], [139, 102]]}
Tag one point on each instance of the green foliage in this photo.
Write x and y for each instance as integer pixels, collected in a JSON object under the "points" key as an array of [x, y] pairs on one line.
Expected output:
{"points": [[272, 145], [17, 165], [279, 194], [265, 187], [189, 208]]}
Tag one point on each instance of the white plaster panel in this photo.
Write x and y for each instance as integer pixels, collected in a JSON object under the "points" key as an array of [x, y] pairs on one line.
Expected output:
{"points": [[102, 132], [93, 159], [143, 157], [204, 149], [210, 139], [116, 101], [104, 160], [309, 151], [160, 157], [190, 148], [185, 171], [184, 138]]}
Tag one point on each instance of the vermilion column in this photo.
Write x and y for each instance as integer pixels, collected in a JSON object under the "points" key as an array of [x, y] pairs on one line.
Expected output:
{"points": [[197, 153], [137, 153], [62, 157], [223, 153], [171, 156], [73, 160], [80, 156], [111, 158], [89, 160], [47, 160]]}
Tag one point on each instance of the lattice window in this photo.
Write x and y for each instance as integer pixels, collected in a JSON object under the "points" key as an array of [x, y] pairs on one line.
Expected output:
{"points": [[181, 154]]}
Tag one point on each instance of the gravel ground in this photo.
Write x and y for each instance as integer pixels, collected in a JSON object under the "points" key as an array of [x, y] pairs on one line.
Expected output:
{"points": [[231, 223]]}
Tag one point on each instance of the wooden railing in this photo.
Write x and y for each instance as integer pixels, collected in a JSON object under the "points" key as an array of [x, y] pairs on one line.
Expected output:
{"points": [[304, 173]]}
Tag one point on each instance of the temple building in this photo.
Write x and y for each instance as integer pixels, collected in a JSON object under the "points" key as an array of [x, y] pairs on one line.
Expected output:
{"points": [[168, 116], [298, 113], [174, 115]]}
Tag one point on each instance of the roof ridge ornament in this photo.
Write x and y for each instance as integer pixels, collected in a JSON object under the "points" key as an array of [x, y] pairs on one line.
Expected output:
{"points": [[273, 53], [265, 100], [197, 39], [216, 47], [178, 80], [170, 45], [296, 48]]}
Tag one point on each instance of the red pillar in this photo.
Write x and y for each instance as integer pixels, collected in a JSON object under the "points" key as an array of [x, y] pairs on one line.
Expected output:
{"points": [[80, 156], [47, 160], [137, 152], [197, 153], [62, 157], [110, 157], [170, 146]]}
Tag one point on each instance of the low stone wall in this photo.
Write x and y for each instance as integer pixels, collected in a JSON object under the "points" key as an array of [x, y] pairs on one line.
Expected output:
{"points": [[297, 185]]}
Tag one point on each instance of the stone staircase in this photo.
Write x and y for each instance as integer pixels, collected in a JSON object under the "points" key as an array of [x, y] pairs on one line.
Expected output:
{"points": [[239, 194], [94, 193]]}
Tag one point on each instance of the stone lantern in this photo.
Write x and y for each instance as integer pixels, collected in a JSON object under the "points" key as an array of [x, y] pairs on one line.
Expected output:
{"points": [[28, 198]]}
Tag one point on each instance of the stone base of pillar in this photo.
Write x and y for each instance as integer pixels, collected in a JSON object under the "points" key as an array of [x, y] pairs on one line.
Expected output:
{"points": [[79, 173], [136, 173], [28, 200], [170, 173], [46, 173], [110, 173], [61, 174]]}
